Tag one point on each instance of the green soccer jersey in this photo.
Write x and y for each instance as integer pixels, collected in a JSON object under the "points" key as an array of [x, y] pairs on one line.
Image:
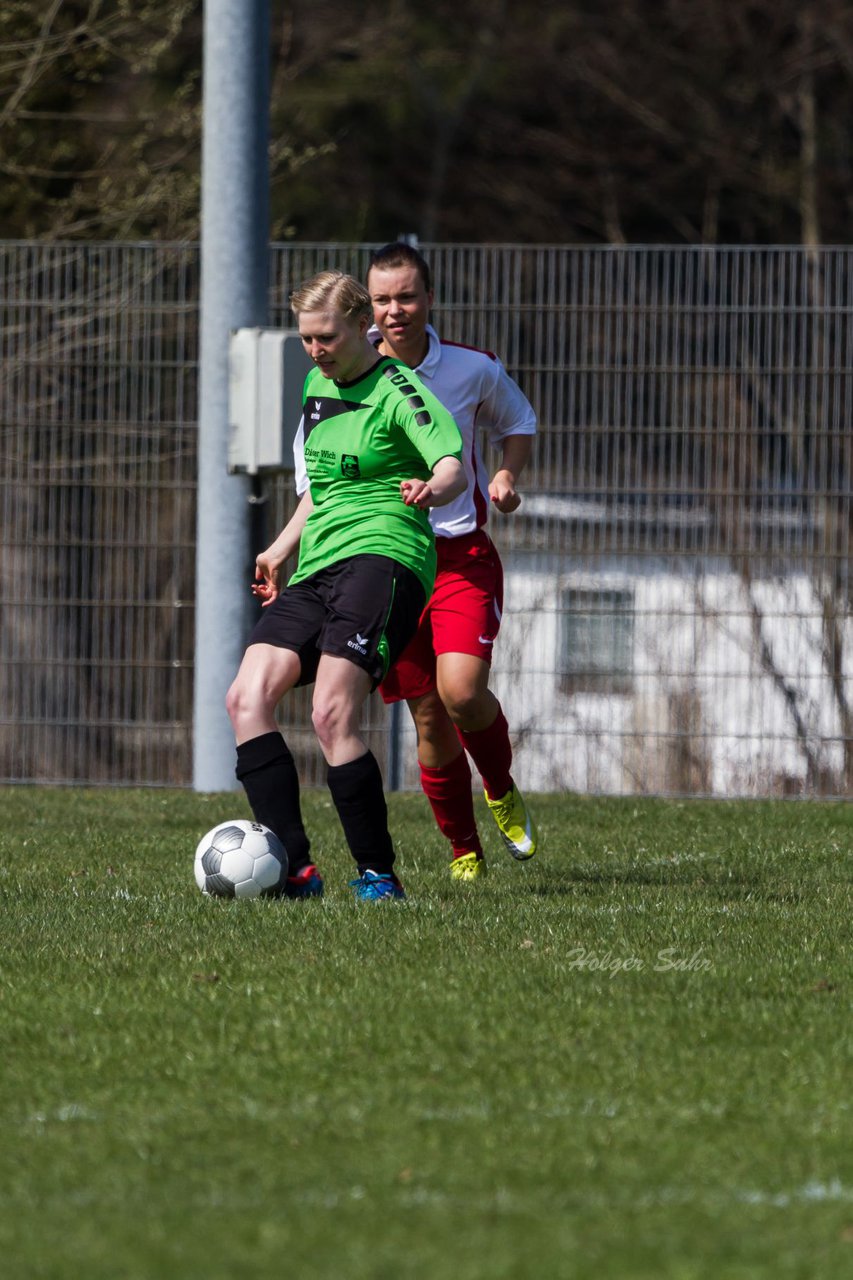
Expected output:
{"points": [[361, 439]]}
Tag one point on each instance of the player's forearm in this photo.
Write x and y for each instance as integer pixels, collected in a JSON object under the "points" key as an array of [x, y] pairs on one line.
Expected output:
{"points": [[288, 540], [447, 482], [515, 454]]}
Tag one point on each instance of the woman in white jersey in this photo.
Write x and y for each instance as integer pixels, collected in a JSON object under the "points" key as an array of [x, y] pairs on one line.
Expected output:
{"points": [[444, 673]]}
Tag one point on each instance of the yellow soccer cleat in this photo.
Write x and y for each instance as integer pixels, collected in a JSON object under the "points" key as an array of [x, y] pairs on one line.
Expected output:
{"points": [[467, 867], [517, 828]]}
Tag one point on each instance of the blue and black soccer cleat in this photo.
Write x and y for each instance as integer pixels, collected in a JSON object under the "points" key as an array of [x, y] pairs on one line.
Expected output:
{"points": [[373, 886]]}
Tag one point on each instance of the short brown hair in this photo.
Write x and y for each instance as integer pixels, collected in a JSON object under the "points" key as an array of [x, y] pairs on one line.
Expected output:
{"points": [[400, 254], [332, 289]]}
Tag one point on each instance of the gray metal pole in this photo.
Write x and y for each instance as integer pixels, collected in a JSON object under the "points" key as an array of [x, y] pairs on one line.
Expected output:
{"points": [[234, 258]]}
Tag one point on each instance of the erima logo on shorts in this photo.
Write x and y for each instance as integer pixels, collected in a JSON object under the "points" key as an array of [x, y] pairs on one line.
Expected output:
{"points": [[359, 644]]}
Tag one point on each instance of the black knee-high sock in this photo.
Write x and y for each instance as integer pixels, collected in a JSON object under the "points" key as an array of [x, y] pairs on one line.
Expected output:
{"points": [[266, 769], [356, 789]]}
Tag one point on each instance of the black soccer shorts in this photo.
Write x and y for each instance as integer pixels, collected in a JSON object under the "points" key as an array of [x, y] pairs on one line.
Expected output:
{"points": [[365, 609]]}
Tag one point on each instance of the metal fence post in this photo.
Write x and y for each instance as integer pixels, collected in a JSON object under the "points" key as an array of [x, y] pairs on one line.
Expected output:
{"points": [[234, 266]]}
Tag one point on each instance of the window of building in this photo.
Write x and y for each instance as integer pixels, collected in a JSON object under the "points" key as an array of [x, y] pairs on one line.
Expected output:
{"points": [[596, 640]]}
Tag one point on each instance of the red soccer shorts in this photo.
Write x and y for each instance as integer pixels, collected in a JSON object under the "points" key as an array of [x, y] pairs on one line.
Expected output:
{"points": [[463, 615]]}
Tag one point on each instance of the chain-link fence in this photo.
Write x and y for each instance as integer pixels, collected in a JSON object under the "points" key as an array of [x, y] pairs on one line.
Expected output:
{"points": [[678, 576]]}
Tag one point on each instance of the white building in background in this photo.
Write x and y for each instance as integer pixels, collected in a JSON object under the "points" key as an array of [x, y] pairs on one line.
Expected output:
{"points": [[664, 670]]}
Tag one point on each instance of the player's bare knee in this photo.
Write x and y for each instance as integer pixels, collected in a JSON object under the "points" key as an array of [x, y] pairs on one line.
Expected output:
{"points": [[429, 716], [246, 700], [463, 706], [326, 719], [435, 731], [233, 702]]}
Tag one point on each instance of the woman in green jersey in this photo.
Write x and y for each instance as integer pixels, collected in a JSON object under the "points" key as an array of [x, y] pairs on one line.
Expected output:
{"points": [[379, 451]]}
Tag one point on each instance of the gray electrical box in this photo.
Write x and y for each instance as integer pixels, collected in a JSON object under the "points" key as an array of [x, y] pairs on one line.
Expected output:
{"points": [[266, 374]]}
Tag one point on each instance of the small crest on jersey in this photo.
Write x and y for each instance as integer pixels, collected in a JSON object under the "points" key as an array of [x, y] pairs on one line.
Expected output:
{"points": [[349, 466]]}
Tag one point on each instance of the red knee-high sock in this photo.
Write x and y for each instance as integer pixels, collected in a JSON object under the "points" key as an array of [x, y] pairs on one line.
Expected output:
{"points": [[491, 752], [448, 790]]}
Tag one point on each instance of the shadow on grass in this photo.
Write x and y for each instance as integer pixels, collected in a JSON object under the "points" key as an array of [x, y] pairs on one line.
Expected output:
{"points": [[729, 886]]}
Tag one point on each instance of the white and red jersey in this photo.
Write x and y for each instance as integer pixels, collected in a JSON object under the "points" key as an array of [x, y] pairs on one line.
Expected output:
{"points": [[480, 394]]}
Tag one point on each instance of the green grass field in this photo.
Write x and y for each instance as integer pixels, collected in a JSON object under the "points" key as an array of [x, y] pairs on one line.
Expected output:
{"points": [[629, 1058]]}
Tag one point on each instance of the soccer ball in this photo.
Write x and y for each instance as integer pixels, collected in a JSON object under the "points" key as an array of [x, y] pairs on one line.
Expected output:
{"points": [[241, 859]]}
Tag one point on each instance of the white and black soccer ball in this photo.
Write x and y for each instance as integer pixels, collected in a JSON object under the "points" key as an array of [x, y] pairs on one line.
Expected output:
{"points": [[241, 859]]}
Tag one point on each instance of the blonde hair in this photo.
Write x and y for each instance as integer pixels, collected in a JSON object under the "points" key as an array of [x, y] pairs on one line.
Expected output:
{"points": [[332, 290]]}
